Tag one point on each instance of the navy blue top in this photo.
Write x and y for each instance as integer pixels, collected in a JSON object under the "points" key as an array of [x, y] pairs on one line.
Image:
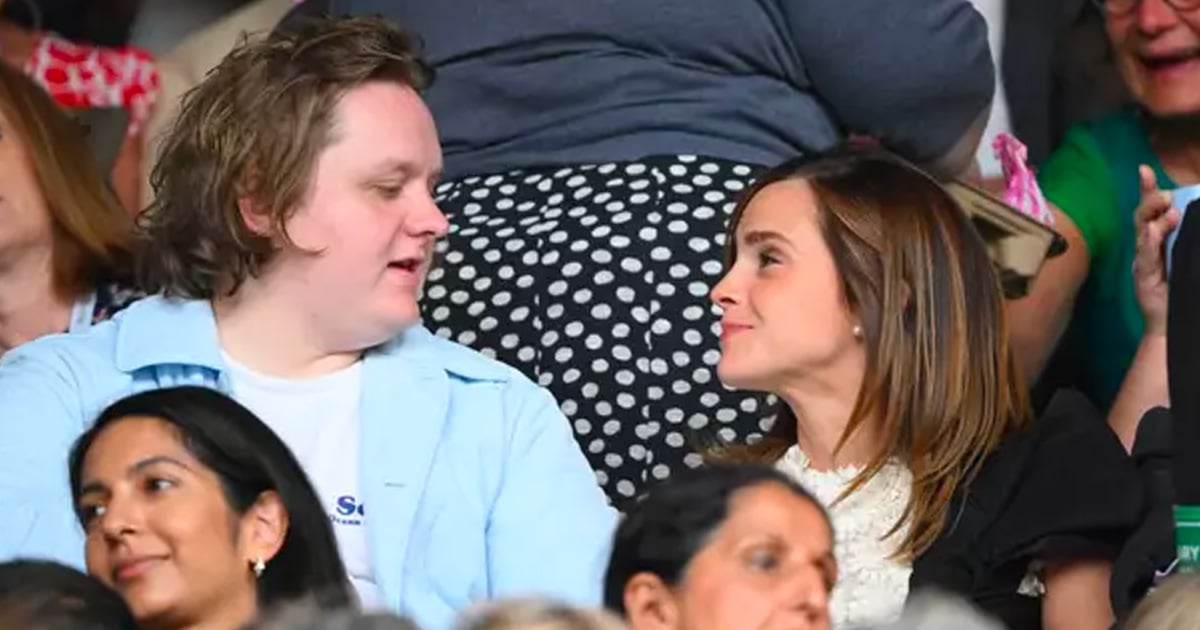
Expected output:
{"points": [[525, 83]]}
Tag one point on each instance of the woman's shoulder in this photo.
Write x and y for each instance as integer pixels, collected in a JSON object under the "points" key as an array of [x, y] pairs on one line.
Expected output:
{"points": [[1098, 147], [1088, 176], [1065, 476], [1063, 487], [1121, 131]]}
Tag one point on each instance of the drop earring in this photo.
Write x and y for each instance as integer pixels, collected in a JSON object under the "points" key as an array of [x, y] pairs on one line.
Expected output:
{"points": [[259, 566]]}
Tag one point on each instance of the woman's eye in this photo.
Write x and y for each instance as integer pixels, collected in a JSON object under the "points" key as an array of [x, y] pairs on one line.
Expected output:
{"points": [[89, 513], [158, 484], [763, 560], [766, 258]]}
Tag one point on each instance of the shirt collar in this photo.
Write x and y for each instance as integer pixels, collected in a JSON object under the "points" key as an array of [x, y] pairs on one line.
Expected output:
{"points": [[159, 331]]}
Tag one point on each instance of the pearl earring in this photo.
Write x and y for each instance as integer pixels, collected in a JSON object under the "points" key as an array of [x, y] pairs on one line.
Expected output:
{"points": [[259, 567], [857, 331]]}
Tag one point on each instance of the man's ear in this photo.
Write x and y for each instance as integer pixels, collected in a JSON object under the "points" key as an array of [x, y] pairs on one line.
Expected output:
{"points": [[254, 220], [650, 603]]}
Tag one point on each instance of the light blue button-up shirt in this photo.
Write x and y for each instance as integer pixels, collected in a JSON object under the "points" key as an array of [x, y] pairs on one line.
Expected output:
{"points": [[476, 486]]}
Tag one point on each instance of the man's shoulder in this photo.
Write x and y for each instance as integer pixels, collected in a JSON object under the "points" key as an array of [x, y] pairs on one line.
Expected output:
{"points": [[483, 390], [57, 379], [149, 331], [458, 361], [72, 351]]}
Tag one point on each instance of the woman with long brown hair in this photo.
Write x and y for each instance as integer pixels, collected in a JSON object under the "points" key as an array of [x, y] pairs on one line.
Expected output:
{"points": [[858, 292], [64, 239], [84, 66]]}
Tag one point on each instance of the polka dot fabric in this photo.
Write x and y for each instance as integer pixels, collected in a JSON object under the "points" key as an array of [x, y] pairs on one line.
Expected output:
{"points": [[594, 281]]}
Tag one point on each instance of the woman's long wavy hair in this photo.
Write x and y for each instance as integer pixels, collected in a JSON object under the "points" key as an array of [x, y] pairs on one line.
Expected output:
{"points": [[940, 379]]}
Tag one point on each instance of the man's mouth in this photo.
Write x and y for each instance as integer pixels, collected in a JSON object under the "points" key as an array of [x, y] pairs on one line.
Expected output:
{"points": [[411, 265]]}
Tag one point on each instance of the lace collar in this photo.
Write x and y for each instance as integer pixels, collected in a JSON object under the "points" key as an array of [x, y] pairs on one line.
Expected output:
{"points": [[871, 587]]}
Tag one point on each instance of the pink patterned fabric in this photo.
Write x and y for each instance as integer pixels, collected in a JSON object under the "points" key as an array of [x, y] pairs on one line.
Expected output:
{"points": [[80, 76], [1021, 189]]}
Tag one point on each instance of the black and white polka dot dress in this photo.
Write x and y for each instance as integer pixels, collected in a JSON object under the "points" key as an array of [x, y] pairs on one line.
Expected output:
{"points": [[594, 281]]}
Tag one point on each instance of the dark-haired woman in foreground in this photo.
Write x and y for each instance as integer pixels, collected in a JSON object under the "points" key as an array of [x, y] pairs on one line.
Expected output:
{"points": [[859, 293], [197, 514], [723, 547]]}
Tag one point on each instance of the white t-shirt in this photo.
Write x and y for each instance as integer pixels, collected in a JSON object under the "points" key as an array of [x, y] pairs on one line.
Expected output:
{"points": [[319, 421], [998, 121]]}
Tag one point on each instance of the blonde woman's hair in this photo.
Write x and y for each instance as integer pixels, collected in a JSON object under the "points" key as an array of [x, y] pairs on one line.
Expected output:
{"points": [[536, 614], [1173, 606]]}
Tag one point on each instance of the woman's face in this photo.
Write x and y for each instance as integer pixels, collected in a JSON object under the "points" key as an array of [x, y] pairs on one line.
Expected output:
{"points": [[160, 530], [25, 223], [1158, 51], [770, 566], [783, 311]]}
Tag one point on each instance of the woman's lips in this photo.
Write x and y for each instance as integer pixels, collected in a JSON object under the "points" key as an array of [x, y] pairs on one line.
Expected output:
{"points": [[1171, 66], [730, 329], [133, 569]]}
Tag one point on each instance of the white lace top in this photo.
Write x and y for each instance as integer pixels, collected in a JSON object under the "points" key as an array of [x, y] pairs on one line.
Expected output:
{"points": [[871, 588]]}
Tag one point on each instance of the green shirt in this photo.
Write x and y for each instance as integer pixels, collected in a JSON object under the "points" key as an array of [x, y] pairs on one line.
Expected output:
{"points": [[1093, 178]]}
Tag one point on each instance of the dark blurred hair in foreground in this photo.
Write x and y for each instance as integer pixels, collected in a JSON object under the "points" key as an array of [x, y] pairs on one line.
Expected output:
{"points": [[36, 595]]}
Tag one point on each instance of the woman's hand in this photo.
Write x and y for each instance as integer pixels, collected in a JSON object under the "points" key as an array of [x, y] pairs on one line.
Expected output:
{"points": [[1154, 219]]}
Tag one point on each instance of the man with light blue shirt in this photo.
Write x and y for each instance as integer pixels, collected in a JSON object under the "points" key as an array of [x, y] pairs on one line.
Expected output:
{"points": [[291, 231]]}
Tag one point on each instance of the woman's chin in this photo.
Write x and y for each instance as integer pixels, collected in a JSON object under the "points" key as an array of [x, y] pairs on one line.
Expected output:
{"points": [[738, 375], [151, 611]]}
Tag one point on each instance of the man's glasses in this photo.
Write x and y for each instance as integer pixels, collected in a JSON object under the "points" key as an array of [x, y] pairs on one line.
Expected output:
{"points": [[1120, 7]]}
